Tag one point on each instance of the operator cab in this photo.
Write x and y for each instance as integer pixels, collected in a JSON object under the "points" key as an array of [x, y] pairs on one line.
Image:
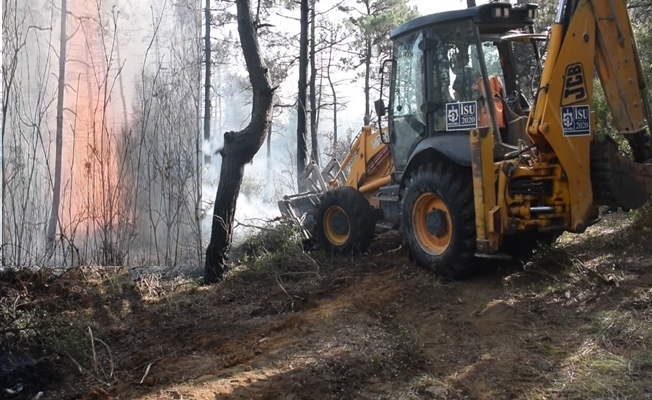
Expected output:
{"points": [[459, 70]]}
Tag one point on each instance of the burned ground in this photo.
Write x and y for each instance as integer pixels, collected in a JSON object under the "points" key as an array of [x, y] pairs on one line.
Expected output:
{"points": [[574, 323]]}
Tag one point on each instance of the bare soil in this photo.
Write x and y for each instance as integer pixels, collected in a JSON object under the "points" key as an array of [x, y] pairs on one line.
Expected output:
{"points": [[575, 323]]}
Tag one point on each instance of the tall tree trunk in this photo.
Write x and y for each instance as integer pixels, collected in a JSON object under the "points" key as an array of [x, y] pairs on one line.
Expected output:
{"points": [[239, 148], [56, 195], [269, 154], [269, 184], [314, 154], [207, 80], [123, 98], [367, 89], [199, 154], [302, 149], [367, 70], [332, 85]]}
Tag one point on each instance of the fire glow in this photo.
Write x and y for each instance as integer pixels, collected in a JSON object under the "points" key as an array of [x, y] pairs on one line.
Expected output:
{"points": [[90, 194]]}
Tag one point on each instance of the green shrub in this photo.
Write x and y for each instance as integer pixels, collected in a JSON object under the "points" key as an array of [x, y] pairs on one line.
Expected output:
{"points": [[277, 247]]}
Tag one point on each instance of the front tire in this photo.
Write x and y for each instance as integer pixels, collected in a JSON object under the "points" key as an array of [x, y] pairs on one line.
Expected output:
{"points": [[438, 219], [345, 222]]}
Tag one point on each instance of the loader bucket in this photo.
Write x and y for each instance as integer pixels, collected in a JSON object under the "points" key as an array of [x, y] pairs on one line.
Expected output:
{"points": [[301, 207]]}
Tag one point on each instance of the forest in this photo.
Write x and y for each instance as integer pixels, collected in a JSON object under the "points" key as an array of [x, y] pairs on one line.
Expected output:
{"points": [[114, 172], [145, 149]]}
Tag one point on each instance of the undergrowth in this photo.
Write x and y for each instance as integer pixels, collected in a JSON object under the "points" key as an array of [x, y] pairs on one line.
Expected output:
{"points": [[49, 314], [276, 248], [611, 357], [643, 218]]}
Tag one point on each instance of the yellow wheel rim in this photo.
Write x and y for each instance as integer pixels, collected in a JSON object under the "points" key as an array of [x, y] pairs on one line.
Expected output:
{"points": [[432, 223], [336, 226]]}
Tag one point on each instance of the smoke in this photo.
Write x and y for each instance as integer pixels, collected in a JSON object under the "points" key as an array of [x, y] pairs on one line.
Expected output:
{"points": [[132, 128], [256, 203]]}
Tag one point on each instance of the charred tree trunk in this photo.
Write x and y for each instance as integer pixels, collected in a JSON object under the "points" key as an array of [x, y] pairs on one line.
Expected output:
{"points": [[239, 148], [56, 195], [314, 140], [302, 149]]}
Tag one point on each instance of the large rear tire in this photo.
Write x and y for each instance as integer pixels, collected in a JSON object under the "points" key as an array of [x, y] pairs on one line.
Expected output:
{"points": [[345, 222], [438, 219]]}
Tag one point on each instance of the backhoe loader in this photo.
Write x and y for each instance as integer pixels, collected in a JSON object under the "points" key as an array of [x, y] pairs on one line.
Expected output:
{"points": [[487, 146]]}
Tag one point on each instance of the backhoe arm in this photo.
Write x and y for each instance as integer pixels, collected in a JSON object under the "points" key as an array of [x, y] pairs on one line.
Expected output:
{"points": [[593, 35], [619, 68]]}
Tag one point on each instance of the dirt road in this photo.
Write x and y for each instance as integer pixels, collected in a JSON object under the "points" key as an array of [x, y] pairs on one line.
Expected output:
{"points": [[576, 323]]}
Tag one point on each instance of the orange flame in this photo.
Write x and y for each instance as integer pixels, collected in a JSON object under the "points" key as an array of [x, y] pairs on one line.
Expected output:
{"points": [[90, 190]]}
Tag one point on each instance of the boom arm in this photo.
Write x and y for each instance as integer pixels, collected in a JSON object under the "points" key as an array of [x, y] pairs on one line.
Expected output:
{"points": [[621, 74]]}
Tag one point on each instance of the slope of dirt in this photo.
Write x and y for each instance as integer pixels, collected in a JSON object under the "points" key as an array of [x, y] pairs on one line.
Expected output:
{"points": [[575, 323]]}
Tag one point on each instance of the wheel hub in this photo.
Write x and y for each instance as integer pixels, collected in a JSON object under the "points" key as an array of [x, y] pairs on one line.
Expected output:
{"points": [[340, 224], [432, 223], [437, 223]]}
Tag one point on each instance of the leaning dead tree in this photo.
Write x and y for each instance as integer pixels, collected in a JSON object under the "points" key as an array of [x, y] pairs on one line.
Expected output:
{"points": [[239, 147]]}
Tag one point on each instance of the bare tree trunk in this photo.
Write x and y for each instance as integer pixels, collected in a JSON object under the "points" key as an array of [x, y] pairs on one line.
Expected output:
{"points": [[207, 82], [239, 148], [367, 88], [198, 144], [367, 71], [302, 149], [123, 98], [332, 85], [269, 153], [56, 196], [314, 154]]}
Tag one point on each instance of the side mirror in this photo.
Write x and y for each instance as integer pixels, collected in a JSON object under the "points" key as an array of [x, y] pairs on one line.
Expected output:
{"points": [[379, 105]]}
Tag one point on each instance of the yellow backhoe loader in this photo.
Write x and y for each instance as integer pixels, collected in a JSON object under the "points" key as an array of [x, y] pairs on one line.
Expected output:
{"points": [[487, 146]]}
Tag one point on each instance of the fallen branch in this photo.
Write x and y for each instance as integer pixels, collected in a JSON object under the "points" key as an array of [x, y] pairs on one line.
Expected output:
{"points": [[90, 332], [96, 364], [262, 228], [108, 350], [610, 279], [146, 372], [16, 330], [83, 370]]}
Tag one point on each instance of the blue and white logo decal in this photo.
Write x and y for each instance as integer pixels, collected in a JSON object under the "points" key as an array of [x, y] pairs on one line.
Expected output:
{"points": [[461, 116], [576, 120]]}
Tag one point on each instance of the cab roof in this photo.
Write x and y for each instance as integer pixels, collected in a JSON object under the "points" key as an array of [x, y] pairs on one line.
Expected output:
{"points": [[491, 18]]}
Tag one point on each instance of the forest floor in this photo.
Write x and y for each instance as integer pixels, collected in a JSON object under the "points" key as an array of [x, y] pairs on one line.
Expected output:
{"points": [[575, 323]]}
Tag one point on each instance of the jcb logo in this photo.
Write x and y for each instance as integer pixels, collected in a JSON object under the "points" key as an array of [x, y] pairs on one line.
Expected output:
{"points": [[574, 85]]}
